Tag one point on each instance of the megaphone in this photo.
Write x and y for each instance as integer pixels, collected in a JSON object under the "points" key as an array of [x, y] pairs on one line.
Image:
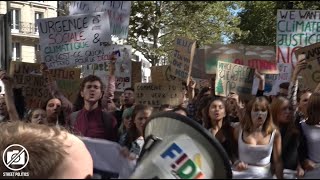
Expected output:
{"points": [[177, 147]]}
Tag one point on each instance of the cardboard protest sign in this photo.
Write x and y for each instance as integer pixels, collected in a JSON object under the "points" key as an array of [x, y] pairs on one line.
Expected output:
{"points": [[182, 58], [75, 40], [233, 78], [201, 83], [123, 68], [118, 12], [161, 74], [295, 29], [273, 81], [136, 73], [155, 94], [312, 55], [34, 86]]}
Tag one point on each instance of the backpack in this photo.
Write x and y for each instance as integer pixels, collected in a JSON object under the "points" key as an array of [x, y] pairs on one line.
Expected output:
{"points": [[107, 120]]}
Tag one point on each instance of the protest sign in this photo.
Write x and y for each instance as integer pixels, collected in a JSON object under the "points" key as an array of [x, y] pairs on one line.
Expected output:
{"points": [[201, 83], [161, 73], [69, 88], [258, 57], [123, 67], [118, 12], [34, 86], [182, 58], [273, 81], [198, 65], [157, 93], [233, 78], [75, 40], [311, 74], [295, 29], [136, 73]]}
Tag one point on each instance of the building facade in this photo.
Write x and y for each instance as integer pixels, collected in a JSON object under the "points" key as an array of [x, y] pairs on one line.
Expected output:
{"points": [[24, 32]]}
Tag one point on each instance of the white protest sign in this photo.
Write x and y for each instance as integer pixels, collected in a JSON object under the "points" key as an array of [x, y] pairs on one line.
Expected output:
{"points": [[273, 81], [75, 40], [118, 11], [123, 69], [295, 29]]}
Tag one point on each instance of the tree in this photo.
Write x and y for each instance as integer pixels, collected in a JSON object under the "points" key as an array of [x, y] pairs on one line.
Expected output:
{"points": [[160, 22], [219, 87], [258, 20]]}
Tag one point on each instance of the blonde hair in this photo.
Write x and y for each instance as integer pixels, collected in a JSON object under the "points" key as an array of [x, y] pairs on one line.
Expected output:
{"points": [[45, 146], [313, 112], [247, 124]]}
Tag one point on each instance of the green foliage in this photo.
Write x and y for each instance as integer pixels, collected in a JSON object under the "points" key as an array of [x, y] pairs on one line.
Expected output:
{"points": [[258, 20], [202, 21]]}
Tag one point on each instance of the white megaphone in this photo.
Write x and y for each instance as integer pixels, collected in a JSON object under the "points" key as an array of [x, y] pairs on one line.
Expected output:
{"points": [[176, 147]]}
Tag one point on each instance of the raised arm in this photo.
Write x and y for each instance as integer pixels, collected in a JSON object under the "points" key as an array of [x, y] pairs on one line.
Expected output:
{"points": [[262, 83], [52, 86], [191, 92], [293, 87], [9, 96]]}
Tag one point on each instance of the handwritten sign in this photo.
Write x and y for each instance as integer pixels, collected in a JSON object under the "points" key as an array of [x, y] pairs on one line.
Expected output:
{"points": [[123, 69], [118, 12], [258, 57], [161, 74], [273, 81], [69, 88], [75, 40], [233, 78], [155, 94], [295, 29], [182, 58], [34, 88]]}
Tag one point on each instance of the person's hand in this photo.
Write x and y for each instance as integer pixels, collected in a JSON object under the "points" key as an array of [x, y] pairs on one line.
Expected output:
{"points": [[192, 84], [300, 171], [240, 166], [301, 65], [7, 80], [259, 75], [309, 165], [44, 69], [124, 151]]}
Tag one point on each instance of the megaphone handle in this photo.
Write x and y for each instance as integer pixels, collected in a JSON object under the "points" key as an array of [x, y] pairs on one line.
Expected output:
{"points": [[150, 142]]}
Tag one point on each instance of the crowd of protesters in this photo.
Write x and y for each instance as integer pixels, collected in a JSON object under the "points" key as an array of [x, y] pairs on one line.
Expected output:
{"points": [[264, 137]]}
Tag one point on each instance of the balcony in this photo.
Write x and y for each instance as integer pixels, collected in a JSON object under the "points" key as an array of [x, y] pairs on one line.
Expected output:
{"points": [[25, 29]]}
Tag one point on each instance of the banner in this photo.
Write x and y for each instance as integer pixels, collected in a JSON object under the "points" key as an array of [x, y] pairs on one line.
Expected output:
{"points": [[233, 78], [183, 58], [161, 74], [273, 81], [123, 69], [295, 29], [34, 86], [155, 94], [118, 12], [75, 40], [261, 58]]}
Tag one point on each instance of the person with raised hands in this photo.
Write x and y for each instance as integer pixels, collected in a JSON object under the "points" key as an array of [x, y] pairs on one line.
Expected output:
{"points": [[7, 106]]}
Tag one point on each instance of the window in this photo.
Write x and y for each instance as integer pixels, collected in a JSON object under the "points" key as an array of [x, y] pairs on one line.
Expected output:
{"points": [[37, 15], [15, 18], [16, 51]]}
